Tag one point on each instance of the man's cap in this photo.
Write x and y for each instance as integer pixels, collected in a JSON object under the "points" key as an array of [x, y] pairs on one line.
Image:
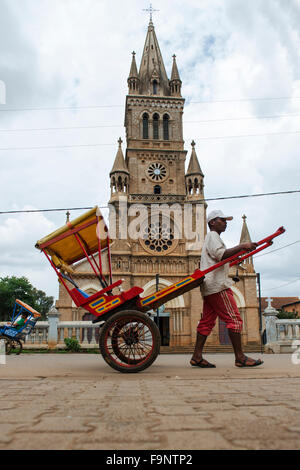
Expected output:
{"points": [[214, 214]]}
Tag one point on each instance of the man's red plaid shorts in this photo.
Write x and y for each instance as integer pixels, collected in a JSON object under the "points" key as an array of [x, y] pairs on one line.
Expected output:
{"points": [[223, 305]]}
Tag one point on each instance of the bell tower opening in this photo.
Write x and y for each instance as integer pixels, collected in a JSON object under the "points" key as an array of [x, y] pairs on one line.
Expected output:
{"points": [[156, 126]]}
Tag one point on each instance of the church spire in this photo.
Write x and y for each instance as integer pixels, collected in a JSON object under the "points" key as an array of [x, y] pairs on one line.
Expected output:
{"points": [[194, 166], [119, 175], [119, 164], [194, 176], [245, 235], [152, 73], [133, 79], [175, 82], [245, 238]]}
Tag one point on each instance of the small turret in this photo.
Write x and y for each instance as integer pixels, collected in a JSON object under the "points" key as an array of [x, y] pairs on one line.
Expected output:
{"points": [[119, 175], [175, 82], [194, 176], [133, 79]]}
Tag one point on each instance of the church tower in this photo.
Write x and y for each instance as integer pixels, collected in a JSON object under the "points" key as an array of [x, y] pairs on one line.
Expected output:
{"points": [[171, 223], [158, 210]]}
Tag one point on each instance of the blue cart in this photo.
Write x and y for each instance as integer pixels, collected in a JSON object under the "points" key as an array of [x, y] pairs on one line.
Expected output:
{"points": [[13, 336]]}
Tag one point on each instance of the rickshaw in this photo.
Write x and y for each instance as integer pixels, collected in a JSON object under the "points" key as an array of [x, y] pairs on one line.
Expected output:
{"points": [[129, 339], [12, 336]]}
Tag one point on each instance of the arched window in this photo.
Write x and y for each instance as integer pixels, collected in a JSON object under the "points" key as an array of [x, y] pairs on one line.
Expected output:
{"points": [[166, 127], [157, 189], [155, 126], [154, 87], [145, 126], [120, 184], [113, 184]]}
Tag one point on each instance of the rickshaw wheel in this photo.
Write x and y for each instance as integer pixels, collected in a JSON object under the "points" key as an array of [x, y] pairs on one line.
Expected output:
{"points": [[16, 346], [129, 341], [8, 343]]}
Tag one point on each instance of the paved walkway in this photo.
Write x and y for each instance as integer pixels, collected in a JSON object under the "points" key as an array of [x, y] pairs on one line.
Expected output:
{"points": [[76, 401]]}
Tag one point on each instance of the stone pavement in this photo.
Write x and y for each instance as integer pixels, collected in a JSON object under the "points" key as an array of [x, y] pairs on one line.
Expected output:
{"points": [[76, 401]]}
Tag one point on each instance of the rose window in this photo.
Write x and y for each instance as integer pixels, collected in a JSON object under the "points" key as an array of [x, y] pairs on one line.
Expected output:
{"points": [[158, 237], [157, 172]]}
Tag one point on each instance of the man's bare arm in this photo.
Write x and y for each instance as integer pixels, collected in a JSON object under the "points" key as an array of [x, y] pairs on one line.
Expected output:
{"points": [[248, 246]]}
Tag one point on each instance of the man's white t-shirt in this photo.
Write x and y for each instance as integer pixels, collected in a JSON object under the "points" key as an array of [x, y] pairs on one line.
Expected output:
{"points": [[212, 252]]}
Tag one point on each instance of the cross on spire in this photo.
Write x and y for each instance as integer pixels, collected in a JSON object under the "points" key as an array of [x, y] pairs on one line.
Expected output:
{"points": [[150, 10]]}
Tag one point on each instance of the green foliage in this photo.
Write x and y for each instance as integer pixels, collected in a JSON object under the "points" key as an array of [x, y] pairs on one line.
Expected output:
{"points": [[12, 288], [282, 315], [72, 344]]}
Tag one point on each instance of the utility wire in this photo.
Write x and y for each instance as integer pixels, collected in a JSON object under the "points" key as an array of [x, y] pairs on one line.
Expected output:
{"points": [[120, 105], [59, 128], [275, 116], [54, 108], [100, 145], [277, 249], [283, 285], [245, 99], [251, 195], [106, 207]]}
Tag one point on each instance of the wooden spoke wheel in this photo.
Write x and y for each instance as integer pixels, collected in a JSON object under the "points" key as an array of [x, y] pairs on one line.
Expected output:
{"points": [[7, 342], [129, 341]]}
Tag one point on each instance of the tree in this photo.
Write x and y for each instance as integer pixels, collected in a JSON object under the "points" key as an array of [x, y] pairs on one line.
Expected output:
{"points": [[283, 315], [12, 288]]}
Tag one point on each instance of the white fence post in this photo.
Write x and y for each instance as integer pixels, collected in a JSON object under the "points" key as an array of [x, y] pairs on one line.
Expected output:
{"points": [[53, 317], [270, 315]]}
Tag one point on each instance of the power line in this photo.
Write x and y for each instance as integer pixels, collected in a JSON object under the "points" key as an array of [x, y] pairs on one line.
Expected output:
{"points": [[247, 135], [247, 99], [50, 210], [251, 195], [283, 285], [277, 249], [276, 116], [45, 147], [57, 108], [106, 207], [59, 128], [54, 108]]}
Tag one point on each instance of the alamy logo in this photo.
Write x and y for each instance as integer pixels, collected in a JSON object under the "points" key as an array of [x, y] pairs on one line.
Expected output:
{"points": [[158, 227], [2, 92]]}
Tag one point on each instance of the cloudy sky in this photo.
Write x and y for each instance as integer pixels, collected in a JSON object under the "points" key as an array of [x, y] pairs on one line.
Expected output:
{"points": [[65, 63]]}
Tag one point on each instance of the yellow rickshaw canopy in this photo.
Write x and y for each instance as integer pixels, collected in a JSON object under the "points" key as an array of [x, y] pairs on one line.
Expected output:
{"points": [[62, 244]]}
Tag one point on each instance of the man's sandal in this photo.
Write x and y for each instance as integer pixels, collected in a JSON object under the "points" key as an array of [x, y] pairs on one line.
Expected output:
{"points": [[202, 363], [243, 363]]}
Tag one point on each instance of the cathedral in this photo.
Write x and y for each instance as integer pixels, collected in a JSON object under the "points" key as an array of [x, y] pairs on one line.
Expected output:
{"points": [[158, 210]]}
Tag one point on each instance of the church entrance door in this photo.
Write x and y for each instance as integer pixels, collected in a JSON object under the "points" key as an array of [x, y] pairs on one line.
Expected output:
{"points": [[164, 328]]}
